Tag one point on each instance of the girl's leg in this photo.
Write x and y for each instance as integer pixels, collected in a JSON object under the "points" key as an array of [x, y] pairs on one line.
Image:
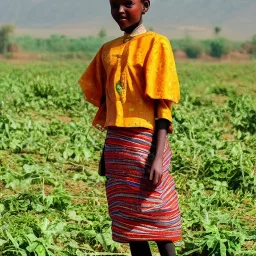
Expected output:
{"points": [[140, 249], [166, 248]]}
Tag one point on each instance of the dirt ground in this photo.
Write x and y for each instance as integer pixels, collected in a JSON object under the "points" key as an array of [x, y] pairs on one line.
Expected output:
{"points": [[180, 56]]}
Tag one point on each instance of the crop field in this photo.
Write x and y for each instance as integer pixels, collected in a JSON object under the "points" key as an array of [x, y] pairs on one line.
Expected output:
{"points": [[52, 201]]}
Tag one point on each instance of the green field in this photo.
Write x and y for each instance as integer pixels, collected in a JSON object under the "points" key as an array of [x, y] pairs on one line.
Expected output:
{"points": [[52, 202]]}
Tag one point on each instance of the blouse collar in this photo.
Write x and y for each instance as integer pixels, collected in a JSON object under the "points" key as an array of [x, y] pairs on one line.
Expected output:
{"points": [[137, 31]]}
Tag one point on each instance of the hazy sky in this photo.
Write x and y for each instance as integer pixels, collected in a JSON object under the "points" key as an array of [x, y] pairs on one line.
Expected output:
{"points": [[175, 18]]}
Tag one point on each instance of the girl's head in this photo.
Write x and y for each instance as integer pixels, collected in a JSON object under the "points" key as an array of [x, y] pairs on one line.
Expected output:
{"points": [[128, 13]]}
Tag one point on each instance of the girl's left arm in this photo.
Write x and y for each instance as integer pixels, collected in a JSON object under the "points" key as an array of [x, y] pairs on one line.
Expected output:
{"points": [[156, 171]]}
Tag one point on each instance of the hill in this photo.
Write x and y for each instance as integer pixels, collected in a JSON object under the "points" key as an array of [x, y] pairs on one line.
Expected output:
{"points": [[171, 17]]}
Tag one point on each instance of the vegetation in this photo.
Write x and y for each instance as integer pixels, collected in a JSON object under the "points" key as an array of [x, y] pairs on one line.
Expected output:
{"points": [[86, 47], [64, 45], [253, 46], [61, 44], [52, 201], [193, 48], [5, 32], [217, 30], [102, 33], [214, 47], [219, 47]]}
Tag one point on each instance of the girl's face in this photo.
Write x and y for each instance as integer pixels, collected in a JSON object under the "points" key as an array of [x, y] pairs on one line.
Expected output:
{"points": [[128, 13]]}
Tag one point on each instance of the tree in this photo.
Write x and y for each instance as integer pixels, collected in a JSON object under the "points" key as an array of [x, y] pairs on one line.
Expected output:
{"points": [[217, 30], [253, 46], [5, 32], [254, 40], [102, 33]]}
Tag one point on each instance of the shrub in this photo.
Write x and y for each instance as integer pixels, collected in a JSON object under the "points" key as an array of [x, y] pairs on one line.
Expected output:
{"points": [[178, 44], [219, 46], [60, 44], [5, 32], [102, 33], [253, 48], [247, 47], [193, 49]]}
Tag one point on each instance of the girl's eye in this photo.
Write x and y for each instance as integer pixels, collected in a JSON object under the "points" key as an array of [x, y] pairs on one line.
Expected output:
{"points": [[128, 3], [114, 6]]}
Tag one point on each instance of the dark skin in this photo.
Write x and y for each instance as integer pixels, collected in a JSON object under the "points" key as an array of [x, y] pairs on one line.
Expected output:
{"points": [[156, 171], [128, 13]]}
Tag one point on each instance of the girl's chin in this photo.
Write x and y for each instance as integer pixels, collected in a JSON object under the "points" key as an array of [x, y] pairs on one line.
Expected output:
{"points": [[123, 27]]}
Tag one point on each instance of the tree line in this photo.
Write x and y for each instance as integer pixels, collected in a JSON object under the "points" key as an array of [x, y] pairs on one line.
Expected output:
{"points": [[193, 48]]}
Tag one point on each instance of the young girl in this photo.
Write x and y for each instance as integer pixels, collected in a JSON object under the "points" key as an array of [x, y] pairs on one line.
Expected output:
{"points": [[133, 82]]}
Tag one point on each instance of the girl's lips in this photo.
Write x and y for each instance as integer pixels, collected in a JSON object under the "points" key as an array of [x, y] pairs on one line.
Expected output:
{"points": [[122, 18]]}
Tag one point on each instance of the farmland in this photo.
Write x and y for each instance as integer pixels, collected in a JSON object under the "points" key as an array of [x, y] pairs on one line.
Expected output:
{"points": [[52, 202]]}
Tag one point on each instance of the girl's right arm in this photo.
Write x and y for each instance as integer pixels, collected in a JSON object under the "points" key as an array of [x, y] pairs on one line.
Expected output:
{"points": [[156, 171], [93, 80]]}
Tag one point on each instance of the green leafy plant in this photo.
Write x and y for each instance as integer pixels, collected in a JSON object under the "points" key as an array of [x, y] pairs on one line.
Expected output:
{"points": [[52, 201]]}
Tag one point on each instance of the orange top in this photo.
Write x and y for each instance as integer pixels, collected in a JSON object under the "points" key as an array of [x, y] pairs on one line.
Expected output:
{"points": [[132, 82]]}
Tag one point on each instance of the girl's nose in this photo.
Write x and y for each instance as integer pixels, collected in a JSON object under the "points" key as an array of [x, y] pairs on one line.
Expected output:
{"points": [[121, 8]]}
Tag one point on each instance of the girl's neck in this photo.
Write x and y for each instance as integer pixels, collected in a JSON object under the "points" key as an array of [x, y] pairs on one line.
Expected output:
{"points": [[133, 27]]}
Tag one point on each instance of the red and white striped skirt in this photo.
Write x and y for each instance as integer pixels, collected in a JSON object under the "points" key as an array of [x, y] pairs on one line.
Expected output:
{"points": [[138, 209]]}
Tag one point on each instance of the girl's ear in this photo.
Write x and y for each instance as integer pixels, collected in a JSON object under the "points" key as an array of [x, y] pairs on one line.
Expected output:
{"points": [[146, 5]]}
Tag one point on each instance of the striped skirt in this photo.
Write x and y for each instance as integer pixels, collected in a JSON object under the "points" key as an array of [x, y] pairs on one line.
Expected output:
{"points": [[138, 209]]}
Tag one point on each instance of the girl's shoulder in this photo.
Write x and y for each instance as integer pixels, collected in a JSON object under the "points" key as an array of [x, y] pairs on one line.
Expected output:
{"points": [[112, 42], [157, 36], [159, 39]]}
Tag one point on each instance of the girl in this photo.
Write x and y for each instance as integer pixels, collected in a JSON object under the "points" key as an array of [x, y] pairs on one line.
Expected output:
{"points": [[133, 82]]}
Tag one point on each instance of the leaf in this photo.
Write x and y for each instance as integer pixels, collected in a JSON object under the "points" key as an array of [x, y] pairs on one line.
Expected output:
{"points": [[73, 244], [7, 129], [90, 233], [211, 243], [12, 239], [32, 247], [73, 216], [67, 153], [2, 208], [87, 153], [40, 250], [223, 250], [2, 242], [31, 237], [45, 225]]}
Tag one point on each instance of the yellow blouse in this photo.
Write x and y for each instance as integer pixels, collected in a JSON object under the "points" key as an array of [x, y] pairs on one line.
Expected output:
{"points": [[132, 82]]}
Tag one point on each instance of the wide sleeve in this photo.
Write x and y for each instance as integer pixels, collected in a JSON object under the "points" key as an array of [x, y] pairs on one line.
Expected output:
{"points": [[93, 80], [160, 72]]}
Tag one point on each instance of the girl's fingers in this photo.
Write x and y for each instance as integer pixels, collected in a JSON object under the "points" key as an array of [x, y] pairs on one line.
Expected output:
{"points": [[156, 178], [151, 174]]}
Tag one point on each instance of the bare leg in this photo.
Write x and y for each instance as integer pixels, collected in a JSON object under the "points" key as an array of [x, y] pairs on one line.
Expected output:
{"points": [[166, 248], [140, 249]]}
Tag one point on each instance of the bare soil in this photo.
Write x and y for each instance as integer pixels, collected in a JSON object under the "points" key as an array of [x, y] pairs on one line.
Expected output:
{"points": [[180, 56]]}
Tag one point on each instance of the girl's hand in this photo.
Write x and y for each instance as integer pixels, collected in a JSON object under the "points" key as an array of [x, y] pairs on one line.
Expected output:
{"points": [[156, 171]]}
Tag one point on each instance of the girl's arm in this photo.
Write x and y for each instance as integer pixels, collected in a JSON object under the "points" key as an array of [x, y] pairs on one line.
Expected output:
{"points": [[156, 171]]}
